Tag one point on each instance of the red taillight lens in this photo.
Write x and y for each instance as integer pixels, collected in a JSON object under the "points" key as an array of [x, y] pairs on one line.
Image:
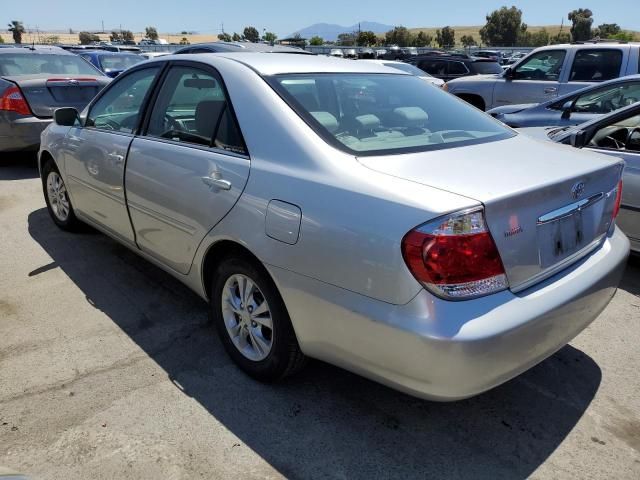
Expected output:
{"points": [[455, 257], [616, 205], [13, 101]]}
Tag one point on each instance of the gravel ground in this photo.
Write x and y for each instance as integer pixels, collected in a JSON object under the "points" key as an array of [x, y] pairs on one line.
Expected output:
{"points": [[108, 369]]}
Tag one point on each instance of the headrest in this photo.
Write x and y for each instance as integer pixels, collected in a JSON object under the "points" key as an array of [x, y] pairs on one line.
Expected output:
{"points": [[327, 120], [367, 122], [411, 116]]}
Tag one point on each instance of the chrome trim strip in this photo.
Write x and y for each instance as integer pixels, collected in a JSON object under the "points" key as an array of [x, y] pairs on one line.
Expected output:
{"points": [[569, 210]]}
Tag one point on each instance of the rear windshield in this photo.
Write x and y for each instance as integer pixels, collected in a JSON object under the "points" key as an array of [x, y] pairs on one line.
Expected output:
{"points": [[119, 62], [33, 63], [369, 114], [484, 68]]}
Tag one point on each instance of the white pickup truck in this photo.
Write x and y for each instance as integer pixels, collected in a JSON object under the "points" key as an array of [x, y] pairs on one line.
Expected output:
{"points": [[548, 72]]}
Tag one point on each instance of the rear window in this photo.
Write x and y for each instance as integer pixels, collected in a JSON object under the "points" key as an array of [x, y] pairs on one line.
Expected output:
{"points": [[34, 63], [406, 67], [371, 114], [486, 68], [119, 62], [596, 65]]}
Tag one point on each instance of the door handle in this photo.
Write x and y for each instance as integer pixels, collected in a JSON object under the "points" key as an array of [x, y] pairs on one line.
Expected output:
{"points": [[118, 159], [215, 180], [550, 90]]}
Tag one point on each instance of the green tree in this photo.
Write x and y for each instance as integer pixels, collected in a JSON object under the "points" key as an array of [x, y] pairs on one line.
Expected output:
{"points": [[623, 36], [346, 39], [184, 41], [270, 37], [503, 27], [607, 30], [399, 36], [316, 40], [251, 34], [235, 37], [49, 40], [17, 29], [421, 40], [581, 20], [538, 39], [562, 37], [224, 37], [115, 36], [366, 39], [446, 37], [468, 41], [127, 35], [151, 33], [87, 38], [1, 39]]}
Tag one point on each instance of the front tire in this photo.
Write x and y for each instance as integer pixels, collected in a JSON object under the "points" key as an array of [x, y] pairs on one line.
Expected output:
{"points": [[57, 198], [252, 321]]}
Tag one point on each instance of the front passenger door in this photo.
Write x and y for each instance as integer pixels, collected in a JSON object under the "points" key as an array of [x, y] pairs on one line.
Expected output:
{"points": [[188, 169], [97, 152]]}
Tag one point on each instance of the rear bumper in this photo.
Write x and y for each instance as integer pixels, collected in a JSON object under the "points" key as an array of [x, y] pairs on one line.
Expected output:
{"points": [[21, 134], [443, 350]]}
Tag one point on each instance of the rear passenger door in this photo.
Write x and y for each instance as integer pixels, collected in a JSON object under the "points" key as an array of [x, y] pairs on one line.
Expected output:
{"points": [[435, 68], [594, 65], [189, 166]]}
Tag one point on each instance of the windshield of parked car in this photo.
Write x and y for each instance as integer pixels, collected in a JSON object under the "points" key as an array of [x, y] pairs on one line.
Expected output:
{"points": [[34, 63], [486, 68], [370, 114], [119, 62]]}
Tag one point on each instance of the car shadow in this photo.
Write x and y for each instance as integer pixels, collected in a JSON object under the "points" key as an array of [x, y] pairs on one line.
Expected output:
{"points": [[18, 166], [631, 280], [324, 422]]}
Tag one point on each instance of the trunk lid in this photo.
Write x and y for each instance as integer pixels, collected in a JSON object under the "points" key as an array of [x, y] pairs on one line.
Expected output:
{"points": [[546, 205], [46, 93]]}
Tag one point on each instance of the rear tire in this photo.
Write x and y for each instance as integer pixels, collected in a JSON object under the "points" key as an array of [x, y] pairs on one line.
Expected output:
{"points": [[57, 198], [252, 321]]}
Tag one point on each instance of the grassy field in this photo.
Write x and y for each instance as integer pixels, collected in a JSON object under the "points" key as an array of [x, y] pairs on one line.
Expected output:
{"points": [[40, 37]]}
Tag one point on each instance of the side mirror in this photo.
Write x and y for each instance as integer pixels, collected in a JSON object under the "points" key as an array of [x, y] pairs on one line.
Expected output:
{"points": [[566, 109], [65, 117], [509, 73]]}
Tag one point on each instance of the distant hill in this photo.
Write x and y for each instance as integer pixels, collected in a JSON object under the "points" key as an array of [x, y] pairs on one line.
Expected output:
{"points": [[330, 31]]}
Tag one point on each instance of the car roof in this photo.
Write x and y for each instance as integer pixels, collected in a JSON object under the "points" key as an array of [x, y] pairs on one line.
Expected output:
{"points": [[36, 51], [246, 47], [276, 63]]}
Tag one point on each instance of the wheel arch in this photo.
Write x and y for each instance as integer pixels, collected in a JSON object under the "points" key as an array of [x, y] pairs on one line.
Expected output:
{"points": [[474, 99]]}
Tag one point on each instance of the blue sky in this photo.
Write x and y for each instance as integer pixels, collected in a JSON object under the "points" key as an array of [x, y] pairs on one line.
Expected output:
{"points": [[284, 17]]}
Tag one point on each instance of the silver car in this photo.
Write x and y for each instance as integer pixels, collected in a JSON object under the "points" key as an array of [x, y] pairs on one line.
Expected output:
{"points": [[344, 211]]}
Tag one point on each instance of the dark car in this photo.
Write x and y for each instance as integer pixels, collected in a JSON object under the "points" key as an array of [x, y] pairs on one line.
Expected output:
{"points": [[111, 63], [490, 54], [33, 83], [448, 67], [575, 107], [215, 47], [400, 53], [367, 53]]}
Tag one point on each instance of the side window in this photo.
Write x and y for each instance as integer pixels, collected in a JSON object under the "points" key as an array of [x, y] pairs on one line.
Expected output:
{"points": [[119, 108], [192, 108], [457, 68], [608, 99], [433, 67], [622, 135], [591, 65], [543, 66]]}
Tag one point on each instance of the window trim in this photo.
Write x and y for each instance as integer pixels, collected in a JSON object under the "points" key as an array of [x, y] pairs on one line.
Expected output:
{"points": [[457, 74], [591, 50], [143, 105], [209, 69]]}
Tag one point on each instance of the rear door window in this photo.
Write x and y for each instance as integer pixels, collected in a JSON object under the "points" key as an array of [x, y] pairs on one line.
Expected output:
{"points": [[434, 67], [192, 108], [590, 65], [608, 99], [457, 68], [542, 66]]}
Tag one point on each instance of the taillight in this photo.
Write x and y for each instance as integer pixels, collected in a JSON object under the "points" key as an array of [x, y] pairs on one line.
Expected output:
{"points": [[616, 205], [13, 101], [455, 256]]}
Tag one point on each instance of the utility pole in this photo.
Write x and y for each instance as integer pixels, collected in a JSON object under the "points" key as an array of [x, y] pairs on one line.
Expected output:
{"points": [[102, 26]]}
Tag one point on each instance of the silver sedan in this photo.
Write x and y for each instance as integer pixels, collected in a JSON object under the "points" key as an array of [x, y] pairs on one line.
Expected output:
{"points": [[344, 211]]}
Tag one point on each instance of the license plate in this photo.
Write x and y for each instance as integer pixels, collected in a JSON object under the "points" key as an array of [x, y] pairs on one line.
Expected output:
{"points": [[572, 230]]}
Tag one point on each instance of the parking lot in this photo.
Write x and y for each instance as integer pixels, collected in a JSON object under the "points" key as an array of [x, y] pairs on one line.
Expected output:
{"points": [[108, 369]]}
